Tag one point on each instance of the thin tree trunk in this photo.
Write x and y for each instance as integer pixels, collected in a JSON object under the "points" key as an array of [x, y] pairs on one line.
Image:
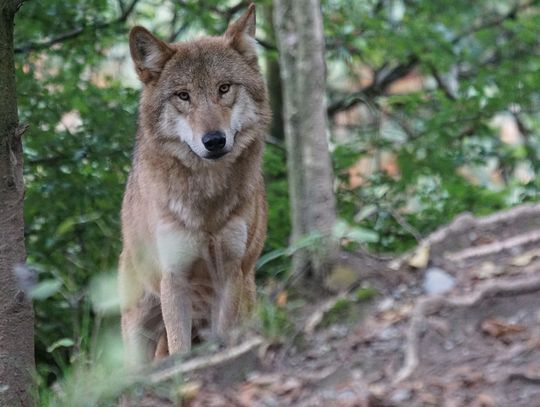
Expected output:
{"points": [[298, 25], [16, 315], [273, 77]]}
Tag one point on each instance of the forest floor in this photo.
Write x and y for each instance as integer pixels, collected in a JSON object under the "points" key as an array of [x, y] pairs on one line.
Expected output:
{"points": [[454, 323]]}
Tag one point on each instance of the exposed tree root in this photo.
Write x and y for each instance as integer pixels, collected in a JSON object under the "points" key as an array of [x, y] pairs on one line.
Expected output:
{"points": [[318, 315], [495, 247], [430, 305], [521, 218], [523, 376], [471, 238], [206, 362]]}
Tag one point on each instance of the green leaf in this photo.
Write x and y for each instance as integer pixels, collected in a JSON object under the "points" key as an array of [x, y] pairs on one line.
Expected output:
{"points": [[65, 226], [268, 257], [61, 343], [46, 289], [365, 212], [358, 234], [362, 235]]}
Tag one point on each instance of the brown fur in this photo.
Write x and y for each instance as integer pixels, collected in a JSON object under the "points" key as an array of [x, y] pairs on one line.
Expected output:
{"points": [[192, 227]]}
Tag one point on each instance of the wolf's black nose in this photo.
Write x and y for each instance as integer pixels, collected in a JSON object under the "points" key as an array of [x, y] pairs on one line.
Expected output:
{"points": [[214, 140]]}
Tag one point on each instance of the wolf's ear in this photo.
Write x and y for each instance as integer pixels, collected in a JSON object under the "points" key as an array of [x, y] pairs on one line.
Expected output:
{"points": [[241, 35], [148, 53]]}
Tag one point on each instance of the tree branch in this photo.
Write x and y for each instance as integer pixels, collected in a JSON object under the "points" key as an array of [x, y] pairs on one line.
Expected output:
{"points": [[75, 32], [510, 15], [381, 82], [441, 83], [377, 88], [122, 6], [404, 126], [230, 11], [527, 134]]}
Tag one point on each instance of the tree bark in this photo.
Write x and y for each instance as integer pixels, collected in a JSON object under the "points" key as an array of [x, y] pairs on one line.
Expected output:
{"points": [[299, 30], [16, 314], [273, 77]]}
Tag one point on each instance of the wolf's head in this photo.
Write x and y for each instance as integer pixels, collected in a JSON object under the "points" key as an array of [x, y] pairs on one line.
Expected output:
{"points": [[203, 98]]}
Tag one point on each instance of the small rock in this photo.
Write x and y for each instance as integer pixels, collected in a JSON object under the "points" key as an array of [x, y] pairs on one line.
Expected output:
{"points": [[338, 331], [341, 278], [386, 304], [388, 333], [399, 291], [401, 395], [438, 281], [449, 345]]}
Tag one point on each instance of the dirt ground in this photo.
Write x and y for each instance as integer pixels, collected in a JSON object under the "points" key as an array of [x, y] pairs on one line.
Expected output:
{"points": [[472, 340]]}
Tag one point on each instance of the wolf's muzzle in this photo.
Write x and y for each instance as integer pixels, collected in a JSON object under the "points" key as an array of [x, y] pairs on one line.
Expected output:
{"points": [[214, 141]]}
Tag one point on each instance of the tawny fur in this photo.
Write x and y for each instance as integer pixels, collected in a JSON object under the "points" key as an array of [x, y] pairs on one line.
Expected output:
{"points": [[193, 227]]}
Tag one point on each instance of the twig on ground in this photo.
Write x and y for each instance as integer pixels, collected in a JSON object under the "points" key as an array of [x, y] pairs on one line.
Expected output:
{"points": [[318, 315]]}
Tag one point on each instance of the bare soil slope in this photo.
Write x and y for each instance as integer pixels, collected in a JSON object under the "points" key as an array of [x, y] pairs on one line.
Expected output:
{"points": [[475, 343]]}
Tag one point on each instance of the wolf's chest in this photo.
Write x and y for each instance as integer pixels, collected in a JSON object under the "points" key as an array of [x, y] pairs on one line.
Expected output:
{"points": [[203, 214], [179, 248]]}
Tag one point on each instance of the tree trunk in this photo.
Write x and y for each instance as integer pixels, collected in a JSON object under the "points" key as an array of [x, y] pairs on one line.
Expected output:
{"points": [[273, 77], [299, 30], [16, 315]]}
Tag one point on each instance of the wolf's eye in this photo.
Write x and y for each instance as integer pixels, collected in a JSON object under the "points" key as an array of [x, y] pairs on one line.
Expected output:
{"points": [[224, 88], [183, 95]]}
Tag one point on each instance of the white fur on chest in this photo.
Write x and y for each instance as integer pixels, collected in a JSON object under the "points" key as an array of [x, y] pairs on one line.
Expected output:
{"points": [[177, 248]]}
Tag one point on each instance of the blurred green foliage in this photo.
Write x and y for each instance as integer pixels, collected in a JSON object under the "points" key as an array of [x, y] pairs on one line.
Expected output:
{"points": [[76, 89], [477, 60]]}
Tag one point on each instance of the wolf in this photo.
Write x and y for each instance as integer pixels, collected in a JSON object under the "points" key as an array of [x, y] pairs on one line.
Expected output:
{"points": [[194, 209]]}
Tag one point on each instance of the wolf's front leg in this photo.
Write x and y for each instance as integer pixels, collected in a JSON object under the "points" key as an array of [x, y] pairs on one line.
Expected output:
{"points": [[229, 251], [141, 315], [141, 327], [176, 308], [227, 313], [178, 250]]}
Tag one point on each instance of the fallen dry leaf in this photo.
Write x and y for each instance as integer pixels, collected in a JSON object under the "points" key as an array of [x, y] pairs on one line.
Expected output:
{"points": [[189, 391], [285, 386], [361, 336], [265, 379], [525, 258], [487, 270], [248, 394], [210, 399], [483, 400], [396, 314], [420, 257], [499, 329], [281, 299]]}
